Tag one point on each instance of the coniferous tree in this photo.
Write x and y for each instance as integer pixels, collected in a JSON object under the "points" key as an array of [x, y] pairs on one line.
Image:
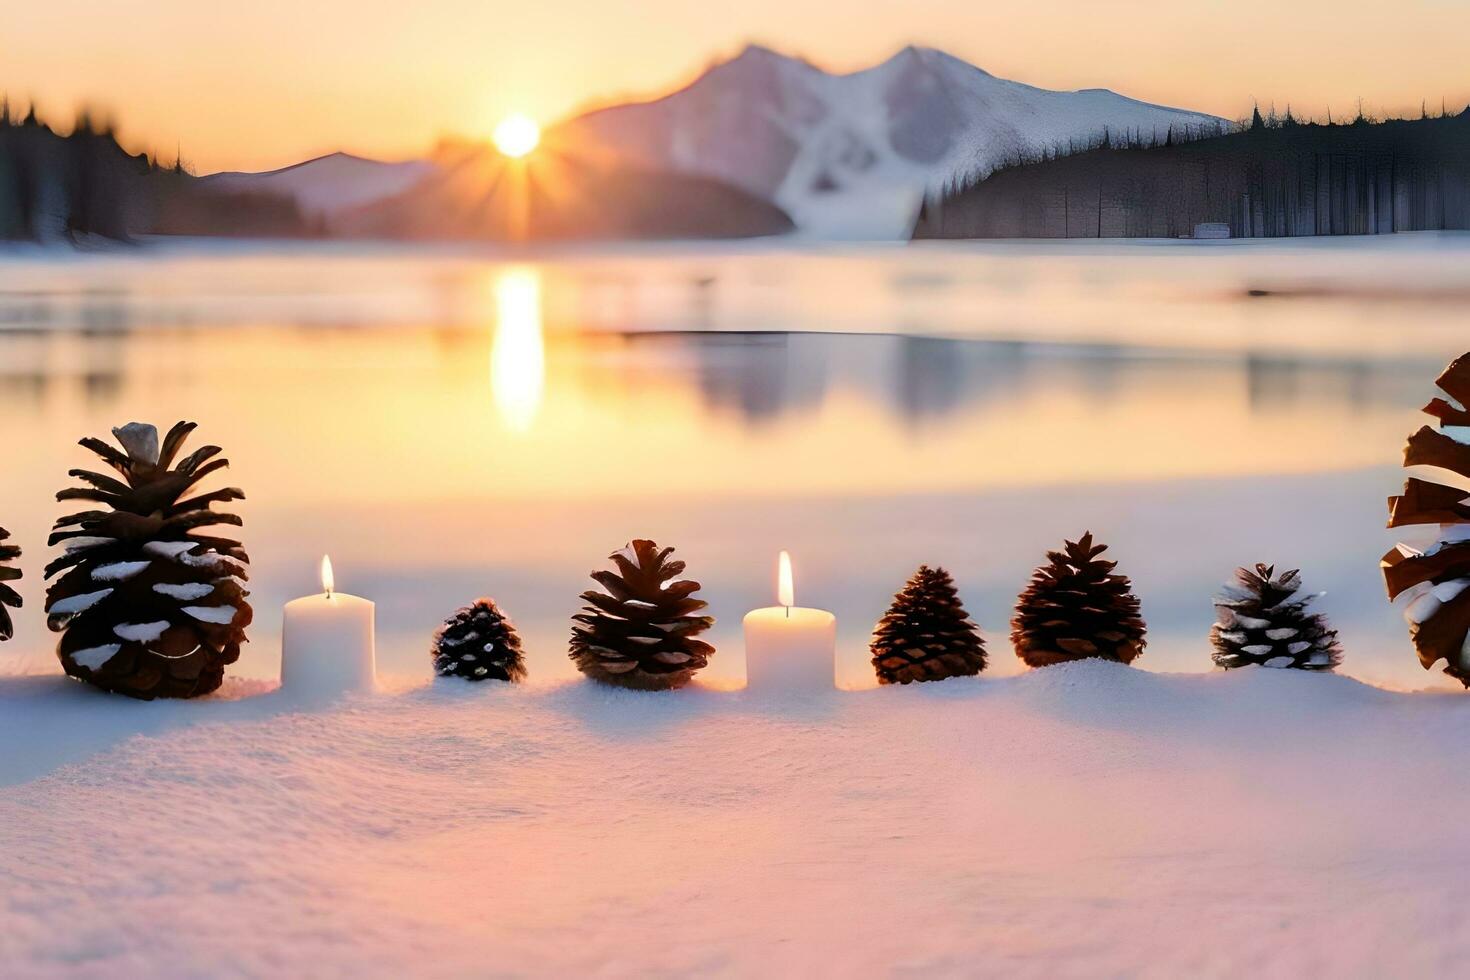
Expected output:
{"points": [[147, 604], [1075, 607], [640, 630], [1274, 175], [926, 634], [1260, 622]]}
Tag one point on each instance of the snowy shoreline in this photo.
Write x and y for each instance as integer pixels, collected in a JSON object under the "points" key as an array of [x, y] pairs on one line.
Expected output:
{"points": [[1080, 819]]}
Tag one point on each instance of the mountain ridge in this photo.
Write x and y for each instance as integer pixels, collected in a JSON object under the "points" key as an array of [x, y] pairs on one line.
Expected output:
{"points": [[860, 147], [846, 155]]}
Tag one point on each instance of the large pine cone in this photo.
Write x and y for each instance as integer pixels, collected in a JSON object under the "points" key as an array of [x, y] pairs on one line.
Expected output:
{"points": [[640, 631], [1075, 608], [1260, 623], [8, 596], [479, 644], [926, 634], [1436, 580], [149, 606]]}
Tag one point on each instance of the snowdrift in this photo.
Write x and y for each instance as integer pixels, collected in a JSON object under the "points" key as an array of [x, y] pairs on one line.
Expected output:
{"points": [[1084, 819]]}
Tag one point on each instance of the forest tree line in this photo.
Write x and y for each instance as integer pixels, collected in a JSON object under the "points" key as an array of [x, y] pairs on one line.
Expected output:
{"points": [[1273, 177], [83, 184]]}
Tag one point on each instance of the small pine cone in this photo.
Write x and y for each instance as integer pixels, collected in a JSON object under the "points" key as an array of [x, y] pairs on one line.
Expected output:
{"points": [[479, 644], [1436, 581], [8, 596], [147, 605], [640, 631], [1076, 608], [926, 634], [1260, 623]]}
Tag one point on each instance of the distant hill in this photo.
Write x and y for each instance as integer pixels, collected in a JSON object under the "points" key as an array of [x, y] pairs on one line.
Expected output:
{"points": [[1276, 178], [328, 184], [474, 193], [852, 155]]}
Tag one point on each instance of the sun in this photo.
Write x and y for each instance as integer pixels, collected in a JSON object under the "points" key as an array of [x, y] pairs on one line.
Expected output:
{"points": [[516, 135]]}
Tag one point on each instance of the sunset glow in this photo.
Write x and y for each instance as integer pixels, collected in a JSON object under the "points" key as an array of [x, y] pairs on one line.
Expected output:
{"points": [[391, 86]]}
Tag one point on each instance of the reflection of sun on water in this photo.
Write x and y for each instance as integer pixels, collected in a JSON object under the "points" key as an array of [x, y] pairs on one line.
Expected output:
{"points": [[518, 353]]}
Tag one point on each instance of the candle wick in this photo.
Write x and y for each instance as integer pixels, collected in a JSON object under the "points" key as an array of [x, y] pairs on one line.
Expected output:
{"points": [[788, 612]]}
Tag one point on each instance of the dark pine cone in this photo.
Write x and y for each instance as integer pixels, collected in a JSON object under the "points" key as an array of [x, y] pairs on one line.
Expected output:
{"points": [[8, 595], [1437, 579], [640, 631], [148, 606], [1075, 608], [926, 634], [479, 644], [1260, 623]]}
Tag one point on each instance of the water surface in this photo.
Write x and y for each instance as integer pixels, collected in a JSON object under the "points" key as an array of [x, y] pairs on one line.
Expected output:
{"points": [[449, 423]]}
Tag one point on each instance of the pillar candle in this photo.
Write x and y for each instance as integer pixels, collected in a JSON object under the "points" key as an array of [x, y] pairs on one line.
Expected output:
{"points": [[788, 648], [327, 643]]}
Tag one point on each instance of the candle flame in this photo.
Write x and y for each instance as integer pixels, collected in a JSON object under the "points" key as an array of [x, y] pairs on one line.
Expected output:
{"points": [[785, 590], [329, 582]]}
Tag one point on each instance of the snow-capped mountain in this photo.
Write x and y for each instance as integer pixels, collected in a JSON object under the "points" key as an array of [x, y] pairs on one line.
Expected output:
{"points": [[846, 156], [331, 183], [851, 155]]}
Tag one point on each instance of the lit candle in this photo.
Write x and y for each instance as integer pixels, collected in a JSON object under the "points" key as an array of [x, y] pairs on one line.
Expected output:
{"points": [[327, 642], [788, 648]]}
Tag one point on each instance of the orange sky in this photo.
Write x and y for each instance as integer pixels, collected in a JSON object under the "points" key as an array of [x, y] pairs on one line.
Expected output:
{"points": [[275, 81]]}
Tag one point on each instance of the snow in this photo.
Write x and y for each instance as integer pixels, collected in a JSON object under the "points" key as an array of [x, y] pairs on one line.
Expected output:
{"points": [[212, 614], [94, 657], [1423, 606], [140, 440], [140, 632], [1088, 819], [118, 571], [84, 543], [77, 603], [1445, 591], [185, 591], [171, 550]]}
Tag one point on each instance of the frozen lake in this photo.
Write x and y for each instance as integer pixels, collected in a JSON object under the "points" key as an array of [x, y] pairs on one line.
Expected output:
{"points": [[449, 423]]}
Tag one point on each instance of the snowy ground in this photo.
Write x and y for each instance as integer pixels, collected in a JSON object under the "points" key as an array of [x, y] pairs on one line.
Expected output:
{"points": [[1088, 819]]}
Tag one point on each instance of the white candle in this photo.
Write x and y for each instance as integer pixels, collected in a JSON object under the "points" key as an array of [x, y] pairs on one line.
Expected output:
{"points": [[327, 643], [788, 648]]}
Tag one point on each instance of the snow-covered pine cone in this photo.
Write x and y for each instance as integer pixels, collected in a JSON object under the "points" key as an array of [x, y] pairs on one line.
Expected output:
{"points": [[926, 634], [147, 605], [479, 643], [1076, 608], [640, 630], [1435, 580], [1260, 623], [8, 596]]}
